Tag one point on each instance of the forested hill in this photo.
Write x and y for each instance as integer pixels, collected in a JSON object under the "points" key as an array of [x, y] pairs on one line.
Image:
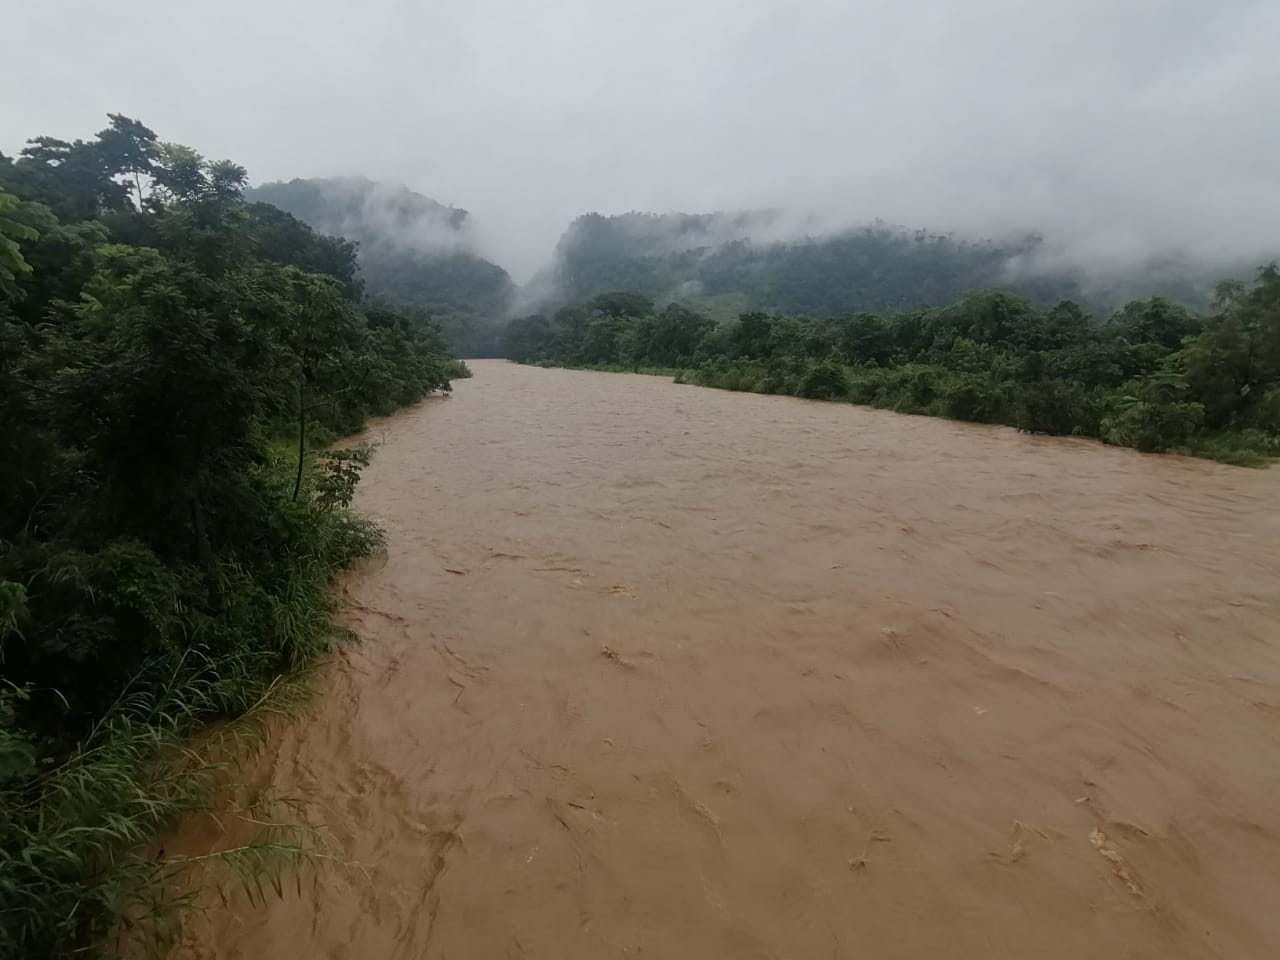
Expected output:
{"points": [[413, 251], [754, 259]]}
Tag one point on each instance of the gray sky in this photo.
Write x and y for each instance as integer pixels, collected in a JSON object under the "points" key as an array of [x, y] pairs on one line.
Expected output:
{"points": [[1116, 127]]}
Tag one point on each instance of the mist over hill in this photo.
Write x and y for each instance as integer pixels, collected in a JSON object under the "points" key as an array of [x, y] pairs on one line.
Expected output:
{"points": [[416, 251], [771, 260], [413, 251]]}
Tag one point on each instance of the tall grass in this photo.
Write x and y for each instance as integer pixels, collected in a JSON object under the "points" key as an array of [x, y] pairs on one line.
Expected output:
{"points": [[1241, 448], [80, 875]]}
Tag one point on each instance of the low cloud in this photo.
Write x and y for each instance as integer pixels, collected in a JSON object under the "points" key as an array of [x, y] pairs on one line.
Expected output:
{"points": [[1119, 131]]}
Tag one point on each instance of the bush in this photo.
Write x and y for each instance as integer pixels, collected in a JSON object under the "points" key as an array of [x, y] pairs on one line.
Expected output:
{"points": [[978, 398], [920, 388], [1152, 426], [741, 375], [907, 389], [1241, 448], [866, 385], [779, 377], [1058, 407], [824, 381], [1263, 414]]}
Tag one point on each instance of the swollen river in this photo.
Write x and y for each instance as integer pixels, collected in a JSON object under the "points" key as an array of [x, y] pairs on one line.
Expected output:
{"points": [[656, 671]]}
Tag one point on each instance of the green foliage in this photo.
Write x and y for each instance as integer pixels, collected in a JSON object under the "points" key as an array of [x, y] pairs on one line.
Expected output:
{"points": [[1154, 376], [1152, 425], [282, 238], [824, 380], [1241, 448], [12, 262], [339, 474], [1158, 320], [1059, 407], [413, 252], [163, 563], [1232, 365]]}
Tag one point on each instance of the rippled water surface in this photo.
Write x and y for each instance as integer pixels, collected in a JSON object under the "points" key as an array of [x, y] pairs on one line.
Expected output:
{"points": [[657, 671]]}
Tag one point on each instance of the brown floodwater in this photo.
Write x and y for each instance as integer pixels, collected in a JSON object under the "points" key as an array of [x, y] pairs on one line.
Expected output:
{"points": [[651, 670]]}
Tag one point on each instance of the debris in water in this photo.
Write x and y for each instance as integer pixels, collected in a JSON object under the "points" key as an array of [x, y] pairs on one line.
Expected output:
{"points": [[612, 654], [862, 860], [1111, 854]]}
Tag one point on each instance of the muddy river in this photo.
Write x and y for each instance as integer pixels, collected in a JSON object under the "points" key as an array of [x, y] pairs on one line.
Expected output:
{"points": [[657, 671]]}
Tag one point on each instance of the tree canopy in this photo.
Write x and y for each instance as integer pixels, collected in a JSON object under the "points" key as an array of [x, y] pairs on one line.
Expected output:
{"points": [[173, 364]]}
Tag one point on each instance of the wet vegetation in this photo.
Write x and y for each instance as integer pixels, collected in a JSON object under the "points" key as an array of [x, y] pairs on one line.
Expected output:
{"points": [[413, 252], [1152, 375], [173, 363]]}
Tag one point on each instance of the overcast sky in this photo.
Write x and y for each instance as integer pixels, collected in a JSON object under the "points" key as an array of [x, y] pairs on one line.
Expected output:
{"points": [[1119, 126]]}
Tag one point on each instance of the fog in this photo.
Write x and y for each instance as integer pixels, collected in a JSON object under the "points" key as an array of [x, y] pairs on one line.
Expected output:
{"points": [[380, 212], [1117, 128]]}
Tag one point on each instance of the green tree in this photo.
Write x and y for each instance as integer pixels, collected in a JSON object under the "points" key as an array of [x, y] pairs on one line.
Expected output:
{"points": [[161, 562], [1158, 320], [1232, 363], [676, 334], [12, 263], [128, 148]]}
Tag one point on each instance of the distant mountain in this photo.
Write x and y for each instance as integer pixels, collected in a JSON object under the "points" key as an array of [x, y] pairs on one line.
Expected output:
{"points": [[416, 251], [412, 250], [766, 259]]}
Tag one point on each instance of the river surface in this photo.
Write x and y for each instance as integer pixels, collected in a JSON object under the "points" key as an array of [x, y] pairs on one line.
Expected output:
{"points": [[658, 671]]}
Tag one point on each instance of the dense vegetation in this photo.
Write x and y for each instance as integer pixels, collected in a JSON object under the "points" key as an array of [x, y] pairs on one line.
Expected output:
{"points": [[171, 361], [689, 258], [413, 252], [1152, 376]]}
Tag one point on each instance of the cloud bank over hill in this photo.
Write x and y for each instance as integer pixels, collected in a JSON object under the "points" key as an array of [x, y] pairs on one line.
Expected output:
{"points": [[1119, 131]]}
